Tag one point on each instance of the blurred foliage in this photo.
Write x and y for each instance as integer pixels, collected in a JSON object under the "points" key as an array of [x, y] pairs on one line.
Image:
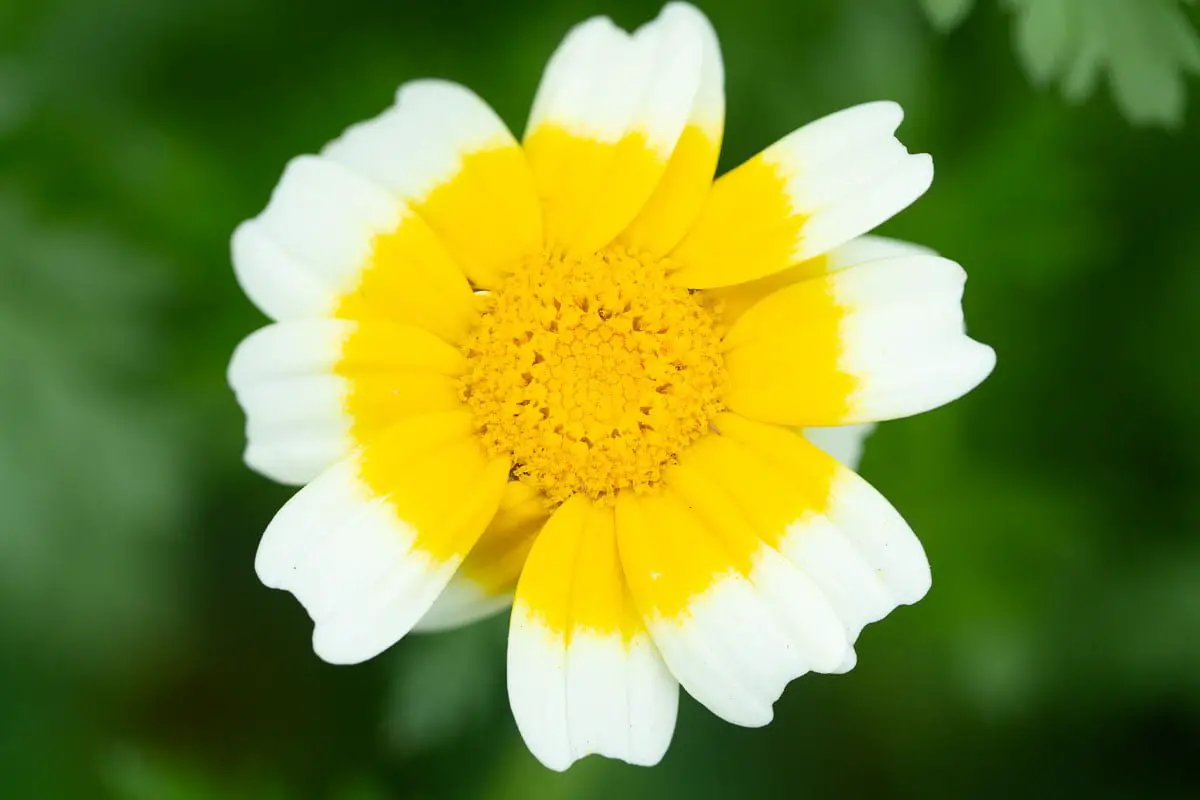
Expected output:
{"points": [[1056, 654], [74, 310], [1147, 48], [947, 14]]}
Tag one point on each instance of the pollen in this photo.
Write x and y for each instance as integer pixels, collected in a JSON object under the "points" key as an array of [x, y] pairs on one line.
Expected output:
{"points": [[592, 373]]}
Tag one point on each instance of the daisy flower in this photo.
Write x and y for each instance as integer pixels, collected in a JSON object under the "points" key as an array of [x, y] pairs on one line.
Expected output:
{"points": [[571, 374]]}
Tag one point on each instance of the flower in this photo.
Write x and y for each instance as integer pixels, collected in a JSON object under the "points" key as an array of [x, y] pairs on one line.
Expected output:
{"points": [[570, 374]]}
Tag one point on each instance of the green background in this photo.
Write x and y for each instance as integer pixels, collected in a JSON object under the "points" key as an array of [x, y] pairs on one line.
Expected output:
{"points": [[1059, 650]]}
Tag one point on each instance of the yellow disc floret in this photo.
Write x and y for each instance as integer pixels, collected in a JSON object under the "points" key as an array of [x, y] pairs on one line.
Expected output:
{"points": [[592, 373]]}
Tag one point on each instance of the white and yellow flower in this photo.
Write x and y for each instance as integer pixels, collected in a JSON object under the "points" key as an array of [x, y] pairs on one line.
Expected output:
{"points": [[569, 374]]}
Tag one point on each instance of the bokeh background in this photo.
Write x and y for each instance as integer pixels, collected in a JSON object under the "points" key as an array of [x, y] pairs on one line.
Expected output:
{"points": [[1059, 650]]}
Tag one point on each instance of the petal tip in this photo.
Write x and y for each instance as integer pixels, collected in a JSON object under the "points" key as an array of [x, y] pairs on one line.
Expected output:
{"points": [[338, 650]]}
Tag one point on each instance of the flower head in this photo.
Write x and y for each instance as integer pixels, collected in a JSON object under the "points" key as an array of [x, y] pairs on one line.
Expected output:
{"points": [[571, 374]]}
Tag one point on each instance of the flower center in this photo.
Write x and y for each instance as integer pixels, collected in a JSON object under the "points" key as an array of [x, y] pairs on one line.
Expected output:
{"points": [[592, 373]]}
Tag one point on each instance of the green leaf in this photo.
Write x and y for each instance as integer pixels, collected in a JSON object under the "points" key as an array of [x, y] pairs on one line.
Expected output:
{"points": [[1146, 48], [946, 15]]}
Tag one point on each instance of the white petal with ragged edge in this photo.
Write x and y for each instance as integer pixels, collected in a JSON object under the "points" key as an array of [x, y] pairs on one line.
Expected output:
{"points": [[678, 39], [283, 378], [621, 699], [824, 184], [881, 340], [608, 115], [343, 553], [882, 537], [860, 551], [279, 285], [296, 348], [850, 663], [443, 152], [605, 83], [312, 516], [806, 614], [843, 575], [726, 482], [653, 703], [863, 249], [812, 191], [296, 426], [742, 638], [583, 675], [708, 108], [596, 694], [843, 442], [293, 401], [841, 133], [571, 72], [537, 692], [287, 380], [849, 209], [775, 489], [903, 336], [418, 144], [696, 652], [736, 299], [672, 208], [296, 455], [308, 246], [348, 553], [848, 174]]}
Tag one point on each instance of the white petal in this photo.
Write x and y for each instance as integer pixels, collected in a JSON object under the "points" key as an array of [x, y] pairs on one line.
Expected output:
{"points": [[742, 637], [730, 480], [744, 640], [280, 285], [812, 191], [296, 427], [293, 380], [312, 241], [736, 299], [536, 669], [353, 555], [881, 536], [604, 83], [844, 575], [843, 442], [603, 88], [842, 133], [461, 603], [426, 144], [863, 249], [865, 519], [881, 340], [419, 143], [598, 694], [846, 207], [904, 336], [583, 675], [672, 208], [283, 378], [570, 74]]}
